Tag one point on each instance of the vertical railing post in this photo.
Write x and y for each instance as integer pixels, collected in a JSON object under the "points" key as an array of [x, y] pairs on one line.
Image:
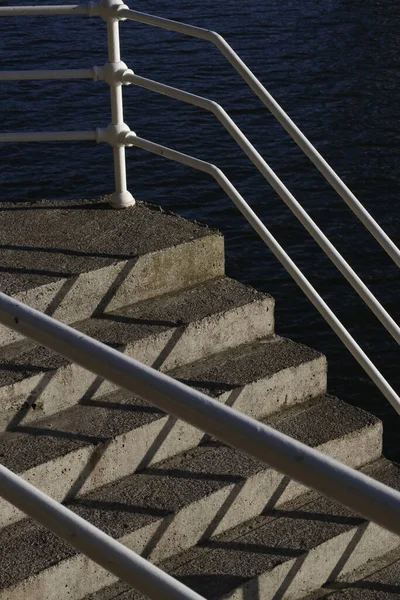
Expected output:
{"points": [[121, 198]]}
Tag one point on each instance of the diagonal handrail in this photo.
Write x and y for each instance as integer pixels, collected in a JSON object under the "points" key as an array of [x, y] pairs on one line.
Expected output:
{"points": [[266, 98], [309, 224], [91, 541], [131, 139], [312, 468]]}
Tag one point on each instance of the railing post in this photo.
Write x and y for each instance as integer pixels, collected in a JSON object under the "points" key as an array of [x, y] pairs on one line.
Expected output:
{"points": [[121, 198]]}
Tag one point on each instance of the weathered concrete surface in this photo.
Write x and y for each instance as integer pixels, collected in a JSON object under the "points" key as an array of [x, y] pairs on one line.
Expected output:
{"points": [[172, 505], [286, 553], [164, 332], [73, 259], [282, 373], [381, 585], [116, 434]]}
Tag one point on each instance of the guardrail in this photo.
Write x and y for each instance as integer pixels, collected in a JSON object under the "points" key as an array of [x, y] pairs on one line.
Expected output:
{"points": [[116, 73], [314, 470], [369, 498]]}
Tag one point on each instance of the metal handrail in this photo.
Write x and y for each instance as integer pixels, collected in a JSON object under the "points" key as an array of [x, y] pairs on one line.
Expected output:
{"points": [[91, 541], [268, 174], [360, 493], [115, 73], [128, 138], [131, 139], [49, 11], [296, 134], [127, 77]]}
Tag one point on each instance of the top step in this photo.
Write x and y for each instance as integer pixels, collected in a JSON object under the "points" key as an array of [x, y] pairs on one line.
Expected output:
{"points": [[75, 259]]}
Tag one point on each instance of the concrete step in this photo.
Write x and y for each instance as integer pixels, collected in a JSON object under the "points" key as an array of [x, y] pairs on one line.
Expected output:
{"points": [[281, 372], [173, 505], [100, 440], [74, 259], [382, 584], [286, 553], [165, 332]]}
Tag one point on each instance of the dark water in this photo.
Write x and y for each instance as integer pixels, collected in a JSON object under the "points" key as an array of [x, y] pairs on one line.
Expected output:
{"points": [[334, 65]]}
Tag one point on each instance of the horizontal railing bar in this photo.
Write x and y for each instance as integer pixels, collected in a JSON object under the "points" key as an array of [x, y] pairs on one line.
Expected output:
{"points": [[369, 498], [281, 255], [256, 158], [44, 11], [47, 74], [94, 543], [297, 135], [48, 136]]}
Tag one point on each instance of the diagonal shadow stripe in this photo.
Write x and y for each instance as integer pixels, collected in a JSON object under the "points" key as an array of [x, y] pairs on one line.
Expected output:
{"points": [[115, 286], [352, 545], [290, 577], [230, 401], [87, 470], [60, 295], [222, 512], [30, 402]]}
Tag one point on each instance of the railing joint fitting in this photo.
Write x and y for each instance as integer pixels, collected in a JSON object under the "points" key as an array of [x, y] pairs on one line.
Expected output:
{"points": [[108, 10], [113, 73], [114, 135]]}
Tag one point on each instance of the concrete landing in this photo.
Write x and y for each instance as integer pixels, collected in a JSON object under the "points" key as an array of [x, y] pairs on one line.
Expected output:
{"points": [[73, 259]]}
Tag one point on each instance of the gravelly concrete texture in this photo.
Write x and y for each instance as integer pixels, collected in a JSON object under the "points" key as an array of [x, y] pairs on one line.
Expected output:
{"points": [[173, 504], [233, 368], [80, 236], [124, 433], [285, 553], [95, 421], [152, 285], [73, 259], [383, 585], [135, 322], [164, 332]]}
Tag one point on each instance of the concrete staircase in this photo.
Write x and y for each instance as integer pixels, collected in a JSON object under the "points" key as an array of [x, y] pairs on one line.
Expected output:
{"points": [[153, 285]]}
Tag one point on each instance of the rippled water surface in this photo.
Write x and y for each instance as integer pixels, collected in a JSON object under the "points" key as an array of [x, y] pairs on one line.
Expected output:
{"points": [[334, 65]]}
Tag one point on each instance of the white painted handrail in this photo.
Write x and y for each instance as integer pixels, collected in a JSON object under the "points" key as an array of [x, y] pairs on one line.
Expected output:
{"points": [[311, 293], [115, 73], [48, 136], [47, 74], [49, 11], [278, 112], [256, 158], [367, 497], [91, 541]]}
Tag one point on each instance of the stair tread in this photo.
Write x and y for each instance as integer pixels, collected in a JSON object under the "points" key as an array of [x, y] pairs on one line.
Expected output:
{"points": [[216, 567], [381, 585], [279, 535], [213, 375], [34, 235], [160, 491], [132, 323], [97, 420]]}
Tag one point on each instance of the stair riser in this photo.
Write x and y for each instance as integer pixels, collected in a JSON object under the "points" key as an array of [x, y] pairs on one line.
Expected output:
{"points": [[282, 390], [301, 576], [126, 282], [58, 390], [161, 439], [74, 578]]}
